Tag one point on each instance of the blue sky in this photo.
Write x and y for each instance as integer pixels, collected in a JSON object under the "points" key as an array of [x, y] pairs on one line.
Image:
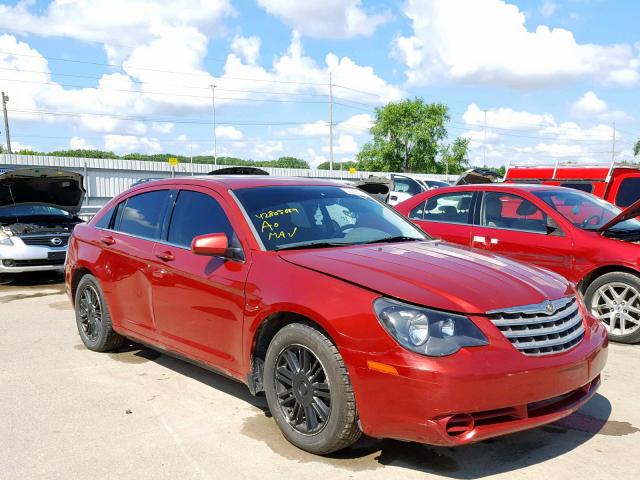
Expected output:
{"points": [[134, 75]]}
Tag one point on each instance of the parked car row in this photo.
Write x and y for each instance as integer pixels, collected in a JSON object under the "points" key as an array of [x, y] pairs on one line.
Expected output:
{"points": [[347, 316]]}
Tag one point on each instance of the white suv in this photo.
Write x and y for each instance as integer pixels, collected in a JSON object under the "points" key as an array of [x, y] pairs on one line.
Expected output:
{"points": [[38, 208]]}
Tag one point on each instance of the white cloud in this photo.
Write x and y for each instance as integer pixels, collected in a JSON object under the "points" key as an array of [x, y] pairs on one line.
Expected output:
{"points": [[590, 106], [548, 8], [589, 103], [268, 150], [77, 143], [247, 48], [130, 143], [327, 18], [182, 138], [506, 118], [344, 144], [357, 124], [490, 44], [228, 132], [164, 127]]}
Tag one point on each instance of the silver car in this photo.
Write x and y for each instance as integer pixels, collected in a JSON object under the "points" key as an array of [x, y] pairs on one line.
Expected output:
{"points": [[38, 211]]}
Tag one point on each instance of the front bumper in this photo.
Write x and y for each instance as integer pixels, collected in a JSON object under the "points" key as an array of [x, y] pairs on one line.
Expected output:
{"points": [[477, 393], [19, 257]]}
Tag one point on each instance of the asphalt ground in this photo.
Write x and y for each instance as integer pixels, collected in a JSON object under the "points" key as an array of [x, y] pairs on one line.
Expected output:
{"points": [[68, 413]]}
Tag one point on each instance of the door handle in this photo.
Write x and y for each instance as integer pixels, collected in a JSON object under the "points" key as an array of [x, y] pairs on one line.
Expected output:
{"points": [[166, 256], [479, 239], [494, 241], [108, 240]]}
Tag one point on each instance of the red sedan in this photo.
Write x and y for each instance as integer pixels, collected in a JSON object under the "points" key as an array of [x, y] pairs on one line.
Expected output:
{"points": [[345, 314], [584, 238]]}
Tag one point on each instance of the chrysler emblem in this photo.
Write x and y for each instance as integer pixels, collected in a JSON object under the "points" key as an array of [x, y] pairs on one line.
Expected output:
{"points": [[550, 308], [56, 242]]}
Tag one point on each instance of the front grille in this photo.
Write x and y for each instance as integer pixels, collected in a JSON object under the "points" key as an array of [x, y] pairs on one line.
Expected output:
{"points": [[543, 329], [46, 240]]}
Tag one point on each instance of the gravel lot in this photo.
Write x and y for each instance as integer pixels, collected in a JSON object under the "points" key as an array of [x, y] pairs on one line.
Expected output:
{"points": [[66, 412]]}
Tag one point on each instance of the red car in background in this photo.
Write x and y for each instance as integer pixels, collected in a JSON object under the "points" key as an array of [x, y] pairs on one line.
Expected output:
{"points": [[584, 238], [619, 185], [344, 313]]}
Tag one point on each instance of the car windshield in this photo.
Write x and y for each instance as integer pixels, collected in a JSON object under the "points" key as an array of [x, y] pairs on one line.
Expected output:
{"points": [[31, 210], [584, 210], [303, 216]]}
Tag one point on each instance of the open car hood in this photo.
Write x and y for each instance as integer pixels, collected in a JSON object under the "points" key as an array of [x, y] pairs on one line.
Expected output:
{"points": [[628, 213], [50, 186], [477, 176]]}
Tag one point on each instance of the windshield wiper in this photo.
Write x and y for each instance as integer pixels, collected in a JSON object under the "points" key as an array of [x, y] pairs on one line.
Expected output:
{"points": [[302, 246], [399, 238]]}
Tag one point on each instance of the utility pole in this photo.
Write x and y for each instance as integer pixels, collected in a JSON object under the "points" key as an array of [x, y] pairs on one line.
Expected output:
{"points": [[215, 139], [191, 156], [330, 123], [484, 142], [613, 152], [5, 99]]}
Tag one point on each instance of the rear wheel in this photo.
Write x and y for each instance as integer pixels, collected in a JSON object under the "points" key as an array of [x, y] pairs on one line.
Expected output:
{"points": [[308, 390], [614, 299], [93, 318]]}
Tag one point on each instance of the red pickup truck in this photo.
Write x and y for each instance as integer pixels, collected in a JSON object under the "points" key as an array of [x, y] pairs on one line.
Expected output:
{"points": [[619, 185]]}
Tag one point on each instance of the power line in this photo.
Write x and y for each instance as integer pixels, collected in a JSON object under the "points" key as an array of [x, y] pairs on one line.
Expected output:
{"points": [[156, 120]]}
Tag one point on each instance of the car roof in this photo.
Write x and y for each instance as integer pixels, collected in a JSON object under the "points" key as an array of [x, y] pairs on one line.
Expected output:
{"points": [[522, 187], [236, 182]]}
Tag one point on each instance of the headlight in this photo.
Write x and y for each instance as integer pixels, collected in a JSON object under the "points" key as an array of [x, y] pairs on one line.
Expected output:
{"points": [[425, 331], [5, 239]]}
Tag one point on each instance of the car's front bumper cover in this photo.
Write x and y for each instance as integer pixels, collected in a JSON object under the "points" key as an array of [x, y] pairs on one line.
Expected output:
{"points": [[477, 393]]}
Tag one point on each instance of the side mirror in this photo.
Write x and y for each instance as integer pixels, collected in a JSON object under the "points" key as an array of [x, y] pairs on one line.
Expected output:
{"points": [[551, 225], [212, 244]]}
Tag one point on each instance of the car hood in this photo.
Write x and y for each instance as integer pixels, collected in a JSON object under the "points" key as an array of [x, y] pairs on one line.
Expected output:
{"points": [[48, 186], [628, 213], [435, 274]]}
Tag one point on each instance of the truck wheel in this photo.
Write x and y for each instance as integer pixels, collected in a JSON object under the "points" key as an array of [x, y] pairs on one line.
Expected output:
{"points": [[308, 390], [614, 299], [93, 319]]}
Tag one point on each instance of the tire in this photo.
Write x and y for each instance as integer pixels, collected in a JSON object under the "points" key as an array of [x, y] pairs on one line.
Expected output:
{"points": [[340, 428], [615, 297], [93, 318]]}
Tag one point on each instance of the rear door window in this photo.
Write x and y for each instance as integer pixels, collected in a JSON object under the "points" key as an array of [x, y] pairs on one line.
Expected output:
{"points": [[629, 192], [406, 185], [195, 214], [449, 207], [142, 214]]}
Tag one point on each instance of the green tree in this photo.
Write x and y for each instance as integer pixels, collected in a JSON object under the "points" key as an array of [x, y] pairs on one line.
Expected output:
{"points": [[636, 148], [454, 156], [287, 162], [337, 165], [406, 137]]}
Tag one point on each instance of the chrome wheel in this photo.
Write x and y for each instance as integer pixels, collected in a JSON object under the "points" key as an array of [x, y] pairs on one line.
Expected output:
{"points": [[90, 312], [617, 305], [302, 389]]}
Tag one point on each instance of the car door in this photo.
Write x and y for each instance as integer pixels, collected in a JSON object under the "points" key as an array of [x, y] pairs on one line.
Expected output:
{"points": [[198, 301], [446, 216], [127, 250], [515, 226]]}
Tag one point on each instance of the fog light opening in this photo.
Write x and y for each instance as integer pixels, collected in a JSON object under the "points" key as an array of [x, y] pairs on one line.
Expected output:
{"points": [[459, 424], [8, 263]]}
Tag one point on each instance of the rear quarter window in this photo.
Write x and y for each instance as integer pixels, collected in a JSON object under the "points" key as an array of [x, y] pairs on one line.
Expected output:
{"points": [[629, 192]]}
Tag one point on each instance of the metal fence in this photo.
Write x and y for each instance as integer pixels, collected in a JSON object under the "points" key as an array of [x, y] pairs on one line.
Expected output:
{"points": [[105, 178]]}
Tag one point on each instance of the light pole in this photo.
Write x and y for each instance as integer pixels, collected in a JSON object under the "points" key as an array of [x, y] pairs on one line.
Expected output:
{"points": [[215, 139], [5, 99]]}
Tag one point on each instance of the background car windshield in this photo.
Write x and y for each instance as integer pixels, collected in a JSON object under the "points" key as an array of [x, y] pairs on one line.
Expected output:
{"points": [[287, 216], [584, 210], [32, 211]]}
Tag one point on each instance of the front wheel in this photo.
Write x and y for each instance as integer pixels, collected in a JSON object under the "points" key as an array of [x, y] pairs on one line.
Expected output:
{"points": [[614, 299], [308, 390]]}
